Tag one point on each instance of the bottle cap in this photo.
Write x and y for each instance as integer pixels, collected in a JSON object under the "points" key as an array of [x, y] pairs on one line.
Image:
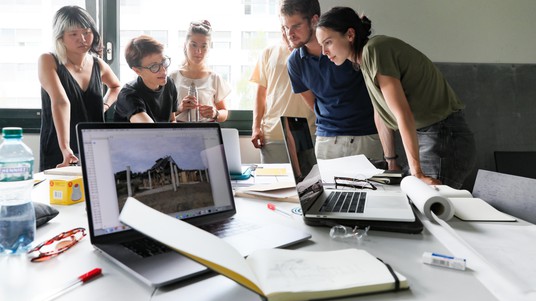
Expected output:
{"points": [[12, 132]]}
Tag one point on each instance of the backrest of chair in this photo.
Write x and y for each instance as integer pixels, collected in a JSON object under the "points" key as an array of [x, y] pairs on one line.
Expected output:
{"points": [[510, 194]]}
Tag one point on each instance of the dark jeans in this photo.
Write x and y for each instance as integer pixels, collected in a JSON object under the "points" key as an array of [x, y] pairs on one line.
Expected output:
{"points": [[447, 150]]}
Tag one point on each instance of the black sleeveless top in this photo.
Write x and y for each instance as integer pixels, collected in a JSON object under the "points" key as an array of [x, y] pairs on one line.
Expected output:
{"points": [[85, 106]]}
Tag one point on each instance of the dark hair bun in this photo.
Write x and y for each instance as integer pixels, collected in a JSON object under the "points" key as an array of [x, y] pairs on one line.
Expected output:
{"points": [[367, 24]]}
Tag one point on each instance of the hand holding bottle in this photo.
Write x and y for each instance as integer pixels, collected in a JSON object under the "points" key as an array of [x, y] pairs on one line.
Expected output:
{"points": [[207, 111], [188, 103]]}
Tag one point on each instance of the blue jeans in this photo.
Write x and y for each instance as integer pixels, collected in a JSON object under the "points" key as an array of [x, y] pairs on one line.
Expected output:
{"points": [[447, 150]]}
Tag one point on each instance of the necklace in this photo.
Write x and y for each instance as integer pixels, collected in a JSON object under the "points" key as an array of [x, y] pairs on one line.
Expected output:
{"points": [[78, 68]]}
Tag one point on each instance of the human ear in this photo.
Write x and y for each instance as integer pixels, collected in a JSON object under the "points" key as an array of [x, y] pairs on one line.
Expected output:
{"points": [[314, 21], [137, 70], [350, 33]]}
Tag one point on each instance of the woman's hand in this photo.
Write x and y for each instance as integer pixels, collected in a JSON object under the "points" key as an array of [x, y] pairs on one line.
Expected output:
{"points": [[207, 111], [187, 103], [68, 158]]}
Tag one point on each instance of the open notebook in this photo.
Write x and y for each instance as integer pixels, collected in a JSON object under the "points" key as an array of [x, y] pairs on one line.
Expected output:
{"points": [[272, 273], [178, 169]]}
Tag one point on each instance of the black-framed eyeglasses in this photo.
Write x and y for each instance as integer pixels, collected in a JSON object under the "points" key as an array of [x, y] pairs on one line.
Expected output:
{"points": [[354, 183], [155, 68], [57, 244]]}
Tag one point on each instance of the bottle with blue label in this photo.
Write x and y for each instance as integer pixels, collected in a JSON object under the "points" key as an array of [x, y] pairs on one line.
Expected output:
{"points": [[17, 215]]}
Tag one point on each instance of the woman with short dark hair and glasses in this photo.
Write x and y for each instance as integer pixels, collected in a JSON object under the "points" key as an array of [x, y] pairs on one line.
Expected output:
{"points": [[152, 96], [408, 93], [71, 80], [212, 89]]}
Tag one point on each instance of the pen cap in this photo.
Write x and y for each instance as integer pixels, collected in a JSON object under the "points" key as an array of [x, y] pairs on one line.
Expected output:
{"points": [[91, 274]]}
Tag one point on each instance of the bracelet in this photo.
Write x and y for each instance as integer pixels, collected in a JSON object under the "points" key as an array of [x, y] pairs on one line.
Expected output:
{"points": [[106, 104], [391, 158]]}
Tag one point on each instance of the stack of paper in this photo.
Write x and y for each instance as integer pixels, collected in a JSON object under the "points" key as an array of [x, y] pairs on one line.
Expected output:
{"points": [[280, 191]]}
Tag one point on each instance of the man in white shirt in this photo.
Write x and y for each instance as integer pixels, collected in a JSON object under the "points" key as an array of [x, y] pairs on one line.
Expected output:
{"points": [[275, 99]]}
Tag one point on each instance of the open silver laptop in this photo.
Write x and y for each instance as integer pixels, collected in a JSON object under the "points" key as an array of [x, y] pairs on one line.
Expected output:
{"points": [[177, 168], [341, 204]]}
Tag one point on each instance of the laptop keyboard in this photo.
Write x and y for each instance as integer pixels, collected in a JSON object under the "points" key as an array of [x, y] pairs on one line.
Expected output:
{"points": [[146, 247], [346, 202], [229, 227]]}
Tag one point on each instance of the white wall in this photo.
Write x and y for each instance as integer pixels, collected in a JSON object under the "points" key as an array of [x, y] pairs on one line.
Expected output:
{"points": [[465, 31]]}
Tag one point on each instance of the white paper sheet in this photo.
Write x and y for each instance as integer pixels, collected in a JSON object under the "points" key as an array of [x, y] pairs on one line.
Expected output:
{"points": [[358, 167]]}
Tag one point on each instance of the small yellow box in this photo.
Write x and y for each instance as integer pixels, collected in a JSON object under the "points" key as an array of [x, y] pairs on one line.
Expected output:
{"points": [[67, 191]]}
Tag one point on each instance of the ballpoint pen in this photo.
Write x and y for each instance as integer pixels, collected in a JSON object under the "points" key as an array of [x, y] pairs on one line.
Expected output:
{"points": [[75, 283]]}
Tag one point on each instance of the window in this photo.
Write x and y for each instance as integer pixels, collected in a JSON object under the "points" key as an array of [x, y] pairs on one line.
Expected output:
{"points": [[260, 7], [22, 41], [238, 37]]}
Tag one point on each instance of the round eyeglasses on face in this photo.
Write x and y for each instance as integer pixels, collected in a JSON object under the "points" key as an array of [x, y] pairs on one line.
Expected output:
{"points": [[57, 244], [155, 68]]}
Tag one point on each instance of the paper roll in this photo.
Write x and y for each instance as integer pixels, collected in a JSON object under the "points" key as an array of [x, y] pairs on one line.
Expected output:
{"points": [[427, 199]]}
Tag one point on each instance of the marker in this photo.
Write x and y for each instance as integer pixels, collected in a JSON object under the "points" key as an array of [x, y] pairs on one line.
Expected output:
{"points": [[444, 261], [75, 283], [274, 208]]}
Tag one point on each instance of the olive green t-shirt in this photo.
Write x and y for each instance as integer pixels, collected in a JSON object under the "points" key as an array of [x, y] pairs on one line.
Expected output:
{"points": [[430, 97]]}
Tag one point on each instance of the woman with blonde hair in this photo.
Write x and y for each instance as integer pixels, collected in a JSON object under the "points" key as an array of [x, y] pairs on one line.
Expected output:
{"points": [[71, 79]]}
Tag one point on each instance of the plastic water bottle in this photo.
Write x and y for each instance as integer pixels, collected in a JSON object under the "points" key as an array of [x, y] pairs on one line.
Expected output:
{"points": [[192, 91], [17, 215]]}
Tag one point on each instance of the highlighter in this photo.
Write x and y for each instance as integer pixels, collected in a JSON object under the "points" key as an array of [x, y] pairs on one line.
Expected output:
{"points": [[444, 261]]}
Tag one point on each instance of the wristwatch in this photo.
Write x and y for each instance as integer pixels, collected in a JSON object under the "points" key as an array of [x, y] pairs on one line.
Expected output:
{"points": [[217, 114]]}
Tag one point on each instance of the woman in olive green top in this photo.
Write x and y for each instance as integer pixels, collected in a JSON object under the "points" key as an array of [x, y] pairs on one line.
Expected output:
{"points": [[409, 94]]}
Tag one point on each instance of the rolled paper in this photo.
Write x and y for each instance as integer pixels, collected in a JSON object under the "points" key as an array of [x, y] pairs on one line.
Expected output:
{"points": [[427, 199]]}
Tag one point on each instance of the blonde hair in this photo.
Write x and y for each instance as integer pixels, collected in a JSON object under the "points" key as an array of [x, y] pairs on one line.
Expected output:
{"points": [[69, 17]]}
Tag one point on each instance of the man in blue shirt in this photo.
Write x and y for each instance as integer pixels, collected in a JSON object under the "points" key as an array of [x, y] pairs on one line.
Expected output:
{"points": [[337, 94]]}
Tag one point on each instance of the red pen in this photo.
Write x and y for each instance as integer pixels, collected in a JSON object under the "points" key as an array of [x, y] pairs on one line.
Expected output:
{"points": [[274, 208], [75, 283]]}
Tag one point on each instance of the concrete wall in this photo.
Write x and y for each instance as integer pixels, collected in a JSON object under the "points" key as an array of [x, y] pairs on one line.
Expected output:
{"points": [[461, 31]]}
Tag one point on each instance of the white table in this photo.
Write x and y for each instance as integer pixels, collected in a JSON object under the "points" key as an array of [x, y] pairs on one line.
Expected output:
{"points": [[22, 280]]}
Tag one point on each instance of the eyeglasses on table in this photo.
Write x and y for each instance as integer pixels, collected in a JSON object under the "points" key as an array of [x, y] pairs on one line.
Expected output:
{"points": [[57, 245], [353, 183]]}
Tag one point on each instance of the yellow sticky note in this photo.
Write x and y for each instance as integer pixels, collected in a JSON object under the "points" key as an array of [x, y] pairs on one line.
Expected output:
{"points": [[271, 172]]}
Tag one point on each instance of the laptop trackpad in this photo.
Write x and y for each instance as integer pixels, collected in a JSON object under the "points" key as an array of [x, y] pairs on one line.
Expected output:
{"points": [[178, 267], [386, 201]]}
